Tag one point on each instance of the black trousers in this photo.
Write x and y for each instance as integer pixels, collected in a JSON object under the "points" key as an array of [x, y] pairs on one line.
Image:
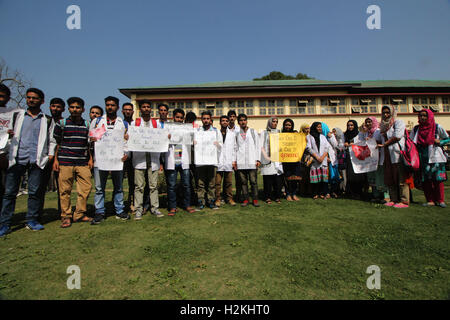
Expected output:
{"points": [[272, 187]]}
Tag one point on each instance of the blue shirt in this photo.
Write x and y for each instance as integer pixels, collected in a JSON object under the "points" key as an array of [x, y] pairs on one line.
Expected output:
{"points": [[29, 137]]}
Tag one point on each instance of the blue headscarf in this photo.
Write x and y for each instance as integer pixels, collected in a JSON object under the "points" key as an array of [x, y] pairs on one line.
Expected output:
{"points": [[325, 129]]}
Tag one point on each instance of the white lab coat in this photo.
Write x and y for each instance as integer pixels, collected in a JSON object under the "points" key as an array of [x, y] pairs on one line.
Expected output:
{"points": [[140, 158], [226, 153], [248, 150], [397, 130], [325, 147], [43, 141]]}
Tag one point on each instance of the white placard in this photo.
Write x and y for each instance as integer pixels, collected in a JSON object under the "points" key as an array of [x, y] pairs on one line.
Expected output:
{"points": [[205, 151], [5, 122], [370, 163], [148, 139], [109, 151], [436, 154], [180, 133]]}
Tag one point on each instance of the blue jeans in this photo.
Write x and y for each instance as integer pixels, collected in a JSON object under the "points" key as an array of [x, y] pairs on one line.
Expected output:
{"points": [[100, 178], [12, 184], [171, 184]]}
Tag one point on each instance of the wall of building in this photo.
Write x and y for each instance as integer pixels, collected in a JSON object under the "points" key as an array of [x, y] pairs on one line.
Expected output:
{"points": [[283, 106]]}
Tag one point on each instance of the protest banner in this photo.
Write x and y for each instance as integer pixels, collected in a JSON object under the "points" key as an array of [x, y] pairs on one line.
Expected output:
{"points": [[287, 146], [148, 139], [364, 155], [205, 151], [180, 133], [5, 122], [109, 151]]}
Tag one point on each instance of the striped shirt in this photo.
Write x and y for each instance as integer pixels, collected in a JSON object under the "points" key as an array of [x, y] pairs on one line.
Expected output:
{"points": [[72, 139]]}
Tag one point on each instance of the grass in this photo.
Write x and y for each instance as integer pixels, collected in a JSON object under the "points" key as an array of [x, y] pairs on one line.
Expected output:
{"points": [[293, 250]]}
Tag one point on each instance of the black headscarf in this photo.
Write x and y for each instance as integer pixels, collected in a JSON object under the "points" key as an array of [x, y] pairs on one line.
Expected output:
{"points": [[292, 124], [349, 135], [316, 135]]}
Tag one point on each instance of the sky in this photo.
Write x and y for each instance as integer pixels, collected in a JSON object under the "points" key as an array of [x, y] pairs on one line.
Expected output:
{"points": [[126, 44]]}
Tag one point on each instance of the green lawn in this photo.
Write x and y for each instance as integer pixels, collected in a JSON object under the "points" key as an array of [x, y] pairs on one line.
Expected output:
{"points": [[293, 250]]}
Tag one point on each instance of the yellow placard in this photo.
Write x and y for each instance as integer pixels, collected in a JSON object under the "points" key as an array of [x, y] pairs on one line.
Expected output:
{"points": [[287, 147]]}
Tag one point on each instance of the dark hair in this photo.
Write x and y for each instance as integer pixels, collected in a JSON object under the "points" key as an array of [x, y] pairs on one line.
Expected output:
{"points": [[206, 113], [141, 102], [231, 112], [190, 117], [5, 89], [38, 92], [163, 105], [110, 98], [98, 107], [178, 111], [58, 101], [241, 115], [292, 125], [224, 117], [128, 104], [75, 100]]}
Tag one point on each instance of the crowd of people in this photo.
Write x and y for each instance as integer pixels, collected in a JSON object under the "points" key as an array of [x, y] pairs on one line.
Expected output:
{"points": [[43, 146]]}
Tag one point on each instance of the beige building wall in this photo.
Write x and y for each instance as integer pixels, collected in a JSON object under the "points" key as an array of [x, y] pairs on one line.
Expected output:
{"points": [[193, 102]]}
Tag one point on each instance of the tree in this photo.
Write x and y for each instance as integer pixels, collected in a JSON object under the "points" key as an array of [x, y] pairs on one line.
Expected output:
{"points": [[277, 75], [16, 82]]}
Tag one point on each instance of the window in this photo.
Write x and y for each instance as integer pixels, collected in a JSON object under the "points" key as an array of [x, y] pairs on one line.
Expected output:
{"points": [[364, 105], [184, 105], [262, 107], [154, 113], [301, 105], [445, 104], [420, 103], [399, 103], [331, 105], [280, 106], [201, 107], [243, 106]]}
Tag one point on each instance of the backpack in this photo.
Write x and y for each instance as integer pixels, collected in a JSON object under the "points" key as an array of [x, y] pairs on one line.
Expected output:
{"points": [[409, 154], [138, 122], [62, 123], [98, 119]]}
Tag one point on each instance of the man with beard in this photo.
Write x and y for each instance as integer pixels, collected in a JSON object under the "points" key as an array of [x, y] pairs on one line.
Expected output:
{"points": [[57, 107], [28, 152]]}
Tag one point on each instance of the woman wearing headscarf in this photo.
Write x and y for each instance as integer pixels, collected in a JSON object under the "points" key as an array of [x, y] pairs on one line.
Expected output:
{"points": [[291, 169], [430, 138], [334, 177], [392, 136], [318, 147], [355, 182], [271, 171], [341, 160], [375, 178], [305, 162]]}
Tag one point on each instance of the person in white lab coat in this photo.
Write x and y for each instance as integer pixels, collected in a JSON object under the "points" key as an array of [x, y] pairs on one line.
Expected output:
{"points": [[225, 168], [247, 159]]}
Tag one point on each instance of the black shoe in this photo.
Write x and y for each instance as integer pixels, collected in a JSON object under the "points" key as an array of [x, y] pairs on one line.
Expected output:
{"points": [[123, 216], [98, 218]]}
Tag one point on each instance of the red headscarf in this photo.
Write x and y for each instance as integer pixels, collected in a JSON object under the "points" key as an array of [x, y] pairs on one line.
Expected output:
{"points": [[426, 130], [374, 127]]}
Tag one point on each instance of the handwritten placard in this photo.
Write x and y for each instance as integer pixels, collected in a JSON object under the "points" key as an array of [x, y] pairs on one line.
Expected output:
{"points": [[287, 147], [5, 122], [109, 151], [147, 139], [180, 133], [205, 150]]}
